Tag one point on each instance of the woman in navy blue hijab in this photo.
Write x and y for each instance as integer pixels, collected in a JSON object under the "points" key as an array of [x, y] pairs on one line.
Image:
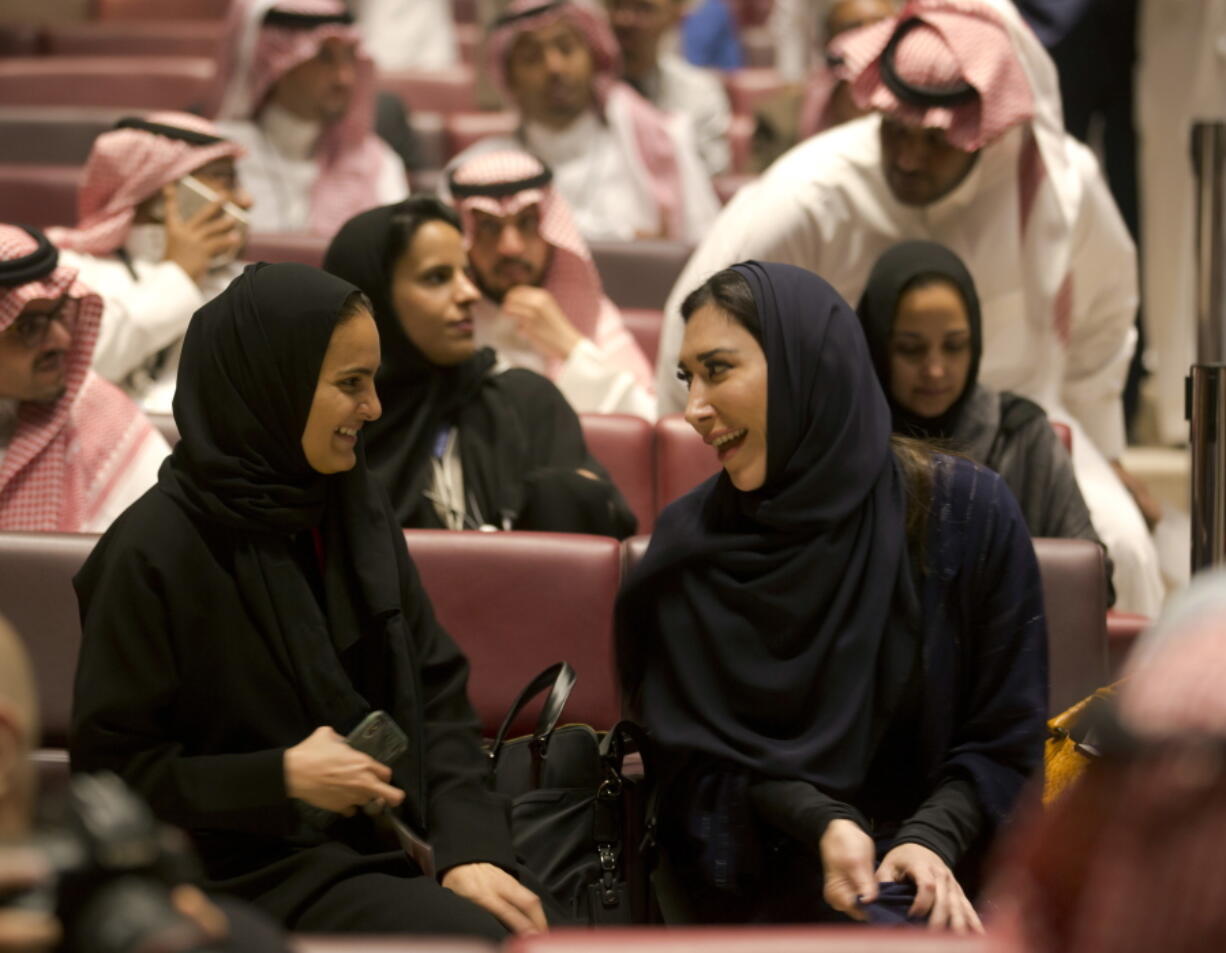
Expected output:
{"points": [[838, 641]]}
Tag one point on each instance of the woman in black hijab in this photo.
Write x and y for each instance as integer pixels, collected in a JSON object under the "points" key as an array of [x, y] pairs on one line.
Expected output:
{"points": [[920, 313], [464, 442], [255, 605], [838, 641]]}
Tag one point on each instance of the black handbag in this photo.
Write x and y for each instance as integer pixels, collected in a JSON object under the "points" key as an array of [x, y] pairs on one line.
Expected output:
{"points": [[581, 823]]}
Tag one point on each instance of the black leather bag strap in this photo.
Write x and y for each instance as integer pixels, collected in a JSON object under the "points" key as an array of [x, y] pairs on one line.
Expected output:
{"points": [[559, 678]]}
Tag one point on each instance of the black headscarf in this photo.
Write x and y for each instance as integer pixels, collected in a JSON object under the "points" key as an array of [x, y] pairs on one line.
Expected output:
{"points": [[247, 377], [772, 629], [878, 308], [420, 399]]}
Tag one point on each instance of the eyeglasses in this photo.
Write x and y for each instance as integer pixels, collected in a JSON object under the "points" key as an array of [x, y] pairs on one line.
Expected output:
{"points": [[31, 327]]}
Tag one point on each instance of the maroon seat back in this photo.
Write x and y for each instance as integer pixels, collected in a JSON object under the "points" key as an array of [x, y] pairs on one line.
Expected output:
{"points": [[682, 459], [1075, 600], [52, 135], [433, 90], [153, 9], [745, 939], [39, 195], [518, 602], [371, 943], [639, 274], [288, 246], [625, 446], [135, 38], [185, 83], [467, 127], [644, 324], [37, 597]]}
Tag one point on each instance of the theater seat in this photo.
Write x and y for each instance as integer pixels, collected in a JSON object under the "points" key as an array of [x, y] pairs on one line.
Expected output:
{"points": [[682, 459], [430, 138], [466, 128], [37, 597], [357, 943], [440, 91], [745, 939], [639, 274], [52, 135], [1123, 630], [137, 82], [750, 86], [644, 324], [135, 38], [39, 195], [625, 446], [1075, 599], [154, 9], [286, 246], [518, 602]]}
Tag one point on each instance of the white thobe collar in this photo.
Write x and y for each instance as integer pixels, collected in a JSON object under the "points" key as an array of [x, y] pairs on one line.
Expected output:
{"points": [[556, 147], [997, 159], [293, 136]]}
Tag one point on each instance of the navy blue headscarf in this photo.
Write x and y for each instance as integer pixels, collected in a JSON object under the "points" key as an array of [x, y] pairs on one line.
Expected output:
{"points": [[773, 629]]}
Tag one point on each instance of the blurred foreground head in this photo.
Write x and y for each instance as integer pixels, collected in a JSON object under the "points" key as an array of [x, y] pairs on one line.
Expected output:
{"points": [[1133, 857]]}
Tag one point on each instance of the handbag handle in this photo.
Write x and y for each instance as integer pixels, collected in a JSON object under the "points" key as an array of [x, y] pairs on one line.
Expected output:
{"points": [[559, 678]]}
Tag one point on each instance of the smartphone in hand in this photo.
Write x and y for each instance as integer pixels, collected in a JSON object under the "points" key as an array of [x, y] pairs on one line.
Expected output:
{"points": [[191, 195], [380, 737]]}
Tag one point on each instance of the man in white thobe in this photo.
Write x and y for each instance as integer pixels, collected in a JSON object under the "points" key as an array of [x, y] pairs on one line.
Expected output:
{"points": [[153, 262], [666, 80], [973, 156], [301, 103], [543, 306], [627, 169]]}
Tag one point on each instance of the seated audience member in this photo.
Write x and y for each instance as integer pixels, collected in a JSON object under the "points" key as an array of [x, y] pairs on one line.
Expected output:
{"points": [[974, 157], [74, 449], [710, 36], [408, 34], [543, 306], [465, 441], [246, 614], [225, 926], [666, 80], [301, 101], [920, 314], [1129, 859], [823, 100], [627, 169], [838, 641], [152, 261]]}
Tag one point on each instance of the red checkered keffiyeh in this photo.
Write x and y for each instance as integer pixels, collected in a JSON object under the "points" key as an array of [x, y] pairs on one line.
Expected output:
{"points": [[348, 152], [64, 456], [127, 166], [956, 41], [646, 126], [572, 277]]}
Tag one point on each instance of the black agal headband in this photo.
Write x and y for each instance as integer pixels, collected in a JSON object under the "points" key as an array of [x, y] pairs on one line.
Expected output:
{"points": [[170, 132], [499, 190], [38, 264], [305, 21], [915, 94], [508, 18]]}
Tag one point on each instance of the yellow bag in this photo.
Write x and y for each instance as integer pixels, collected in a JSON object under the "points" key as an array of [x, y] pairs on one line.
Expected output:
{"points": [[1065, 756]]}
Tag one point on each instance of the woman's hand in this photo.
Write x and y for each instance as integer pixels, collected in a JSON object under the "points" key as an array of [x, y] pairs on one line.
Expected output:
{"points": [[847, 864], [493, 889], [325, 772], [938, 895]]}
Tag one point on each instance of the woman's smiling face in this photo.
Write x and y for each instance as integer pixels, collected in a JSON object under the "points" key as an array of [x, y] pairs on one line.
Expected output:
{"points": [[345, 397], [724, 369]]}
